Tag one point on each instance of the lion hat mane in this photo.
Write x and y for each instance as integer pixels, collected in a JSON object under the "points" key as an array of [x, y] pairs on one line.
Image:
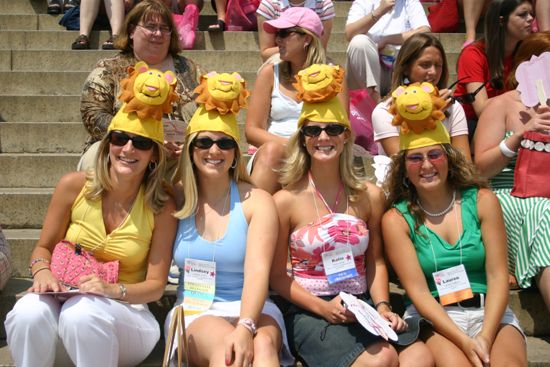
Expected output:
{"points": [[223, 92], [148, 92], [417, 107]]}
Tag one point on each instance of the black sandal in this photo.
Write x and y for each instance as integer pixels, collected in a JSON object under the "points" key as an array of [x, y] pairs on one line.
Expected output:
{"points": [[109, 44], [54, 7], [82, 42], [219, 26]]}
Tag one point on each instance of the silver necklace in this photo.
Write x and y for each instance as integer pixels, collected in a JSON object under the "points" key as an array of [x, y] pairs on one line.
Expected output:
{"points": [[443, 212]]}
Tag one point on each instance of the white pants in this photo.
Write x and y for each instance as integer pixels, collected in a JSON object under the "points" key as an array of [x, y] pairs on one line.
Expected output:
{"points": [[363, 69], [94, 331]]}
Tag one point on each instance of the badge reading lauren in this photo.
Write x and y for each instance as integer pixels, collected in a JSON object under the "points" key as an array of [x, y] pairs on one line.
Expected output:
{"points": [[199, 285], [452, 285], [339, 265]]}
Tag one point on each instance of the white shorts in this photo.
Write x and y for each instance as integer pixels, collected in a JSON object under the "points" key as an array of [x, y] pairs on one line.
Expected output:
{"points": [[230, 311], [470, 320]]}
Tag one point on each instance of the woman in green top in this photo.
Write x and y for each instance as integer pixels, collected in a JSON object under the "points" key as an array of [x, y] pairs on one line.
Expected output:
{"points": [[443, 218]]}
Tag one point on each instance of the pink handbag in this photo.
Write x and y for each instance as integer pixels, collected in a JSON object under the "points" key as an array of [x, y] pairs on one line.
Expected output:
{"points": [[70, 262]]}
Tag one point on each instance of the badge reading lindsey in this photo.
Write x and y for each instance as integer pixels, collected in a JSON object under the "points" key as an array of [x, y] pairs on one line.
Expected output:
{"points": [[199, 285]]}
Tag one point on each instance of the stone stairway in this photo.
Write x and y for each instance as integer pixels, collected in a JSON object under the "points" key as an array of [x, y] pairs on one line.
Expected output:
{"points": [[41, 134]]}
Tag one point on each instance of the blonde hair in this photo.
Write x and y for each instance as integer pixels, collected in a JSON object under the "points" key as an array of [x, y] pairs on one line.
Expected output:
{"points": [[186, 176], [315, 55], [298, 163], [99, 178]]}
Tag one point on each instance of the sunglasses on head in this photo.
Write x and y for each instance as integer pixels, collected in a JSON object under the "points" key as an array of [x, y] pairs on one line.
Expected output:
{"points": [[120, 139], [331, 129], [206, 143], [434, 156], [284, 33]]}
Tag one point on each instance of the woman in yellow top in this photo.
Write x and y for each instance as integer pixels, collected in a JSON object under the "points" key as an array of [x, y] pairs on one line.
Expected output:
{"points": [[120, 211]]}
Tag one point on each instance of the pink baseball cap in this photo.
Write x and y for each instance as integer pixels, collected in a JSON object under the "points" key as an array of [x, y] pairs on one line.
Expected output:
{"points": [[297, 16]]}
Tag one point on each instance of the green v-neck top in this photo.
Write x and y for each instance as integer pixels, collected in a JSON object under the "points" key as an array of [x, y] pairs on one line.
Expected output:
{"points": [[448, 255]]}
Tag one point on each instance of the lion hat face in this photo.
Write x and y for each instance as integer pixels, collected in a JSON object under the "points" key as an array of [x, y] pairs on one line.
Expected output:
{"points": [[223, 92], [148, 92], [153, 86], [416, 107], [319, 82]]}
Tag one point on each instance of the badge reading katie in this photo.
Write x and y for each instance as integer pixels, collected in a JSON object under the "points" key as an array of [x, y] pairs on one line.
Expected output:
{"points": [[452, 285], [199, 283], [339, 265]]}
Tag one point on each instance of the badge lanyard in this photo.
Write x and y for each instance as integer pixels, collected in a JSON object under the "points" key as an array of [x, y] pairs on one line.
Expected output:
{"points": [[339, 264], [452, 283], [200, 277]]}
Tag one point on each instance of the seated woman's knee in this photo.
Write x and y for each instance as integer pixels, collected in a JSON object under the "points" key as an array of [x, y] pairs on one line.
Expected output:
{"points": [[270, 154], [361, 42], [264, 346], [378, 355], [416, 355]]}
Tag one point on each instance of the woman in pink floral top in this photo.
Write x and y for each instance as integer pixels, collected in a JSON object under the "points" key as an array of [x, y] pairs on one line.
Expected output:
{"points": [[329, 216]]}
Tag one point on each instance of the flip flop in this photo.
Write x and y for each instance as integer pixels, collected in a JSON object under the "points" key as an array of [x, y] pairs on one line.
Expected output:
{"points": [[54, 7], [108, 44], [219, 26], [82, 42]]}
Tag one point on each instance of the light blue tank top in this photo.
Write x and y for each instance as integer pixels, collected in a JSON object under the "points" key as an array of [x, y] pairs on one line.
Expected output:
{"points": [[228, 252], [284, 113]]}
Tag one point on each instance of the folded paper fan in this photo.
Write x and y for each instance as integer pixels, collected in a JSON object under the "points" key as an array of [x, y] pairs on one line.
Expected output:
{"points": [[534, 80]]}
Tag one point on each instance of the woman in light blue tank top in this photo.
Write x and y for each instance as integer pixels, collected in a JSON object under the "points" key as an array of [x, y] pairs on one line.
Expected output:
{"points": [[224, 244]]}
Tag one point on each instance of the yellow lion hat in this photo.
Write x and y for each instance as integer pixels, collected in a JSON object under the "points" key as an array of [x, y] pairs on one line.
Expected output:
{"points": [[221, 97], [147, 94], [318, 87], [417, 109]]}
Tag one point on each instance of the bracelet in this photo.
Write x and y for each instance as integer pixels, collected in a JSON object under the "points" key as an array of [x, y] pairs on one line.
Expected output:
{"points": [[39, 270], [374, 17], [387, 303], [123, 291], [36, 261], [507, 152], [249, 324]]}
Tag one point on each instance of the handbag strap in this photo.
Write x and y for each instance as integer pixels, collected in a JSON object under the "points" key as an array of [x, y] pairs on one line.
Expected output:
{"points": [[176, 330]]}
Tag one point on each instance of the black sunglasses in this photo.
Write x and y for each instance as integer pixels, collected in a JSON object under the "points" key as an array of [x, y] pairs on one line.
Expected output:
{"points": [[120, 139], [284, 33], [206, 143], [469, 98], [331, 129]]}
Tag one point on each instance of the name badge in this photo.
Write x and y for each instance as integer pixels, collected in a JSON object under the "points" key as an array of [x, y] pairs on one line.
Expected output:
{"points": [[339, 265], [199, 285], [174, 130], [452, 285]]}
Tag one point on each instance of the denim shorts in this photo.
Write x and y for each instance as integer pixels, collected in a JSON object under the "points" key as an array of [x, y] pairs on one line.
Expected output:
{"points": [[470, 320], [319, 343]]}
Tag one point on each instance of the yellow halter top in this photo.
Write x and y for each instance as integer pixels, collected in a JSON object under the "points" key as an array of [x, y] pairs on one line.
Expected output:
{"points": [[129, 243]]}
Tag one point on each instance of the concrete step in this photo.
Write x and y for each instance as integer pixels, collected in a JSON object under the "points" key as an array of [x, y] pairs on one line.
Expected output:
{"points": [[42, 137], [37, 108], [22, 242], [58, 82], [24, 207], [35, 170], [62, 40]]}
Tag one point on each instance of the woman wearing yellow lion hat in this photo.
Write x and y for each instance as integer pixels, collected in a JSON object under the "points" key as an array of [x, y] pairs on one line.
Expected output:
{"points": [[225, 241], [119, 214], [445, 237], [330, 223]]}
